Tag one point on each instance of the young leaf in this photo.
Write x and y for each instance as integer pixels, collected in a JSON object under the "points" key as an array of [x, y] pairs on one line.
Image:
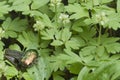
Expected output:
{"points": [[56, 43], [87, 36], [26, 76], [48, 34], [47, 20], [29, 40], [38, 3], [11, 34], [88, 53], [75, 68], [1, 45], [113, 48], [20, 5], [113, 21], [17, 24], [105, 1], [83, 73], [15, 47], [100, 50], [40, 71], [2, 66], [74, 43], [10, 72], [89, 50], [56, 63], [4, 8], [78, 11], [68, 58], [58, 76], [66, 34], [118, 5]]}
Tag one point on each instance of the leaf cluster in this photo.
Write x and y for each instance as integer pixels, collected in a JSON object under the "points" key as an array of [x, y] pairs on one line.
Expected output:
{"points": [[75, 39]]}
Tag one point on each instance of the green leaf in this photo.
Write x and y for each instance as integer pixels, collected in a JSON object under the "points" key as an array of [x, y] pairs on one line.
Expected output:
{"points": [[58, 76], [105, 1], [48, 34], [96, 2], [4, 8], [1, 45], [75, 43], [56, 43], [38, 3], [11, 34], [71, 1], [106, 71], [15, 47], [39, 71], [16, 2], [89, 50], [100, 51], [17, 24], [83, 73], [10, 72], [77, 25], [44, 44], [1, 55], [58, 35], [75, 68], [2, 66], [113, 48], [78, 11], [56, 63], [47, 20], [68, 58], [20, 5], [66, 34], [87, 53], [26, 76], [109, 40], [32, 13], [88, 36], [113, 21], [29, 40], [118, 5]]}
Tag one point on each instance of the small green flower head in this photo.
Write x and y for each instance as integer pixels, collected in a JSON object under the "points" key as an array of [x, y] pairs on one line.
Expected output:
{"points": [[1, 33], [64, 18], [101, 18], [55, 2], [38, 26]]}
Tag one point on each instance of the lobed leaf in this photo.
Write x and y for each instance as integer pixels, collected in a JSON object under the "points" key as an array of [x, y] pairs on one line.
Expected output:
{"points": [[29, 40]]}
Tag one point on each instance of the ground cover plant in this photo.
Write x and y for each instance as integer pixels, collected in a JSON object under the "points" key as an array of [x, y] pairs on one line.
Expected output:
{"points": [[75, 39]]}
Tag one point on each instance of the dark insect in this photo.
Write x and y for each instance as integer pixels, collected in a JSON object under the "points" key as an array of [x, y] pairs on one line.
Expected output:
{"points": [[21, 60]]}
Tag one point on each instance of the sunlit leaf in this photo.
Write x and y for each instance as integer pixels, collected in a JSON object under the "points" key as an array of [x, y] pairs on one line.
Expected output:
{"points": [[29, 40], [56, 43], [4, 8], [78, 11], [38, 3]]}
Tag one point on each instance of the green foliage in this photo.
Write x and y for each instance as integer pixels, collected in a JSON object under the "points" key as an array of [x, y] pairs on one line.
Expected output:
{"points": [[4, 8], [27, 39], [76, 40]]}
